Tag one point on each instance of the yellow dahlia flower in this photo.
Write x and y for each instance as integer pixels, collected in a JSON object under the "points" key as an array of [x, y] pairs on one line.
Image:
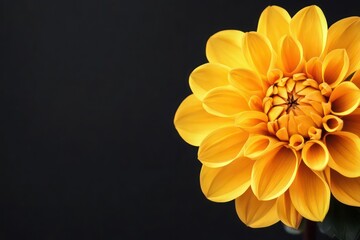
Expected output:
{"points": [[276, 116]]}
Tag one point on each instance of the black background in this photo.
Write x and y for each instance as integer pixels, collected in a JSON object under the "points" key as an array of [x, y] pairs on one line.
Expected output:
{"points": [[89, 90]]}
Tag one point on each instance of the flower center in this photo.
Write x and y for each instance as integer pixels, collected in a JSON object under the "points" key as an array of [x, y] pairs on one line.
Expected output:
{"points": [[295, 106]]}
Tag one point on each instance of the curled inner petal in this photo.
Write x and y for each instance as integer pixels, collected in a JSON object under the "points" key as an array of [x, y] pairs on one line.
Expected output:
{"points": [[332, 123], [315, 155]]}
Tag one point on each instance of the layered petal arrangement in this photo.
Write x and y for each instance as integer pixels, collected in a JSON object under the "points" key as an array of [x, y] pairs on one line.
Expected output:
{"points": [[275, 114]]}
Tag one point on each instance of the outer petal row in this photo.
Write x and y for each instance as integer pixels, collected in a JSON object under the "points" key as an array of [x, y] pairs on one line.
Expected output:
{"points": [[310, 194], [207, 77], [226, 183], [346, 34], [222, 146], [309, 27], [274, 23], [256, 213], [225, 47], [193, 123], [344, 150], [346, 190], [273, 174]]}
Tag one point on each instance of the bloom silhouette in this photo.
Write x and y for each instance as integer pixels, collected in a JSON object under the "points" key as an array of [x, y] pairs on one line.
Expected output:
{"points": [[276, 116]]}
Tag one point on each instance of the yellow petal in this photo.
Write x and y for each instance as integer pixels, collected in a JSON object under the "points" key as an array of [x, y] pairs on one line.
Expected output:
{"points": [[335, 67], [255, 213], [356, 78], [290, 55], [352, 123], [315, 155], [346, 190], [222, 146], [225, 47], [344, 149], [226, 183], [258, 52], [258, 145], [310, 194], [273, 174], [252, 121], [193, 123], [287, 212], [344, 99], [225, 101], [207, 77], [274, 23], [247, 81], [346, 34], [309, 27]]}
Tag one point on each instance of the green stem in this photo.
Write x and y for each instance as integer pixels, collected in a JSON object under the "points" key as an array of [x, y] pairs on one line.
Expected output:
{"points": [[309, 231]]}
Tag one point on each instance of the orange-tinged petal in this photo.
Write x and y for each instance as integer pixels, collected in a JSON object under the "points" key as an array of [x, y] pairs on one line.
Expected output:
{"points": [[356, 78], [193, 123], [222, 146], [273, 174], [247, 81], [258, 52], [309, 26], [255, 213], [226, 183], [207, 77], [345, 99], [310, 194], [346, 34], [335, 67], [287, 212], [225, 47], [290, 55], [258, 145], [352, 123], [315, 155], [225, 101], [346, 190], [274, 23], [344, 149], [314, 69]]}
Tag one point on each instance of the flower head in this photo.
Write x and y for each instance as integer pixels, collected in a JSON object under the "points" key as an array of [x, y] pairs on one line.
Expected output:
{"points": [[276, 116]]}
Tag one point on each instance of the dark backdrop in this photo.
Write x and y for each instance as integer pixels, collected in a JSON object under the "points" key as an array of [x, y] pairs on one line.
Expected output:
{"points": [[89, 90]]}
